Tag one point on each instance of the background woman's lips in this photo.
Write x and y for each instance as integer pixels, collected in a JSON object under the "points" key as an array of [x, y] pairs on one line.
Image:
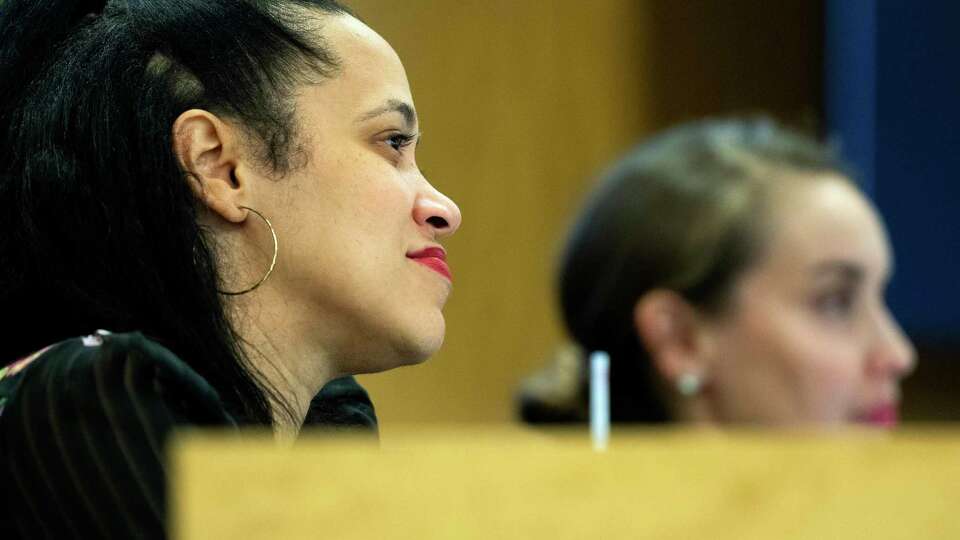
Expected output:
{"points": [[435, 259], [885, 415]]}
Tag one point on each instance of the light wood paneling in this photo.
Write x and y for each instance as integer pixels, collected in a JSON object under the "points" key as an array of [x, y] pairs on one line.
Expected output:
{"points": [[521, 102], [485, 484]]}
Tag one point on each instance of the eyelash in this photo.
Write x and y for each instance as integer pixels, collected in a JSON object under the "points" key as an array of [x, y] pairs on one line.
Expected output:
{"points": [[399, 141], [836, 304]]}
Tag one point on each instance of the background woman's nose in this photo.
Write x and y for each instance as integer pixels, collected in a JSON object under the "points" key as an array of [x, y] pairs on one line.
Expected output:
{"points": [[894, 354]]}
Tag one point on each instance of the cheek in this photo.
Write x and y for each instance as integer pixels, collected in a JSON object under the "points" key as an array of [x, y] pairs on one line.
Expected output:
{"points": [[359, 196], [829, 379], [375, 190], [785, 362]]}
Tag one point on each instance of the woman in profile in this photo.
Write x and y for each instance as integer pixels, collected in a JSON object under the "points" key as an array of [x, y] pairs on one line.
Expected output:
{"points": [[209, 210], [735, 274]]}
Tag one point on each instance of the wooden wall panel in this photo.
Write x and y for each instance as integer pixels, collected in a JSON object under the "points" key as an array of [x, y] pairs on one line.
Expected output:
{"points": [[709, 57], [521, 102]]}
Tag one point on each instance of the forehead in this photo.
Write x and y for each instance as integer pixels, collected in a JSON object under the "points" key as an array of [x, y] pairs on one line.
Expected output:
{"points": [[817, 220], [370, 71]]}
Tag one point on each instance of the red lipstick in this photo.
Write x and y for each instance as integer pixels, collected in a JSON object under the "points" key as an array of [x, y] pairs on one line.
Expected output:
{"points": [[885, 415], [434, 258]]}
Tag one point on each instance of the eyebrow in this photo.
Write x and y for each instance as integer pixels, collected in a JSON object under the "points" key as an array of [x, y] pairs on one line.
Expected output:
{"points": [[848, 271], [391, 106]]}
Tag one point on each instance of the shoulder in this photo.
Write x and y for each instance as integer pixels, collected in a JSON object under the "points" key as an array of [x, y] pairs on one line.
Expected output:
{"points": [[83, 430], [109, 373], [342, 403]]}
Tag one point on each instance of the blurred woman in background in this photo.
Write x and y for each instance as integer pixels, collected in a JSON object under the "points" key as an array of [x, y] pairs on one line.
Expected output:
{"points": [[230, 190], [736, 275]]}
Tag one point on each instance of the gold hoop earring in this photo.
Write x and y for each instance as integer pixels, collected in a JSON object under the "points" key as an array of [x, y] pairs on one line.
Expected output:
{"points": [[273, 262]]}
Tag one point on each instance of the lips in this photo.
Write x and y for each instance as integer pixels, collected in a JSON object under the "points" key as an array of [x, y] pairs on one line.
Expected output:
{"points": [[885, 415], [434, 258]]}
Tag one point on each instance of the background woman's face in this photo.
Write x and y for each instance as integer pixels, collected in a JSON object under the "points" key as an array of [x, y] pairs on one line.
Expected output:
{"points": [[809, 338], [351, 217]]}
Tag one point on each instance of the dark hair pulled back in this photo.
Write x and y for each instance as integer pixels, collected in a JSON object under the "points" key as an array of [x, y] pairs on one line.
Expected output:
{"points": [[98, 225]]}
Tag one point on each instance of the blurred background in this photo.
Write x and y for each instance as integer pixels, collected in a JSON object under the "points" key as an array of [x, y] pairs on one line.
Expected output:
{"points": [[522, 102]]}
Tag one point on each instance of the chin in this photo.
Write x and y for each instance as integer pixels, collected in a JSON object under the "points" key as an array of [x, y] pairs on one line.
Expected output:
{"points": [[424, 349], [422, 344], [408, 348]]}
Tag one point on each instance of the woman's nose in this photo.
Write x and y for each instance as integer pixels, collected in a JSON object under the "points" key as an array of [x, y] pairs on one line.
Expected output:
{"points": [[436, 212], [893, 354]]}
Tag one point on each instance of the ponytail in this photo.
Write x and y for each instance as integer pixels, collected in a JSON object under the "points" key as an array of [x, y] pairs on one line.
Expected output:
{"points": [[98, 226]]}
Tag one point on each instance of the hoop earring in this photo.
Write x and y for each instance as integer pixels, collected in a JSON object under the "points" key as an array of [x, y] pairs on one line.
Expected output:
{"points": [[273, 262]]}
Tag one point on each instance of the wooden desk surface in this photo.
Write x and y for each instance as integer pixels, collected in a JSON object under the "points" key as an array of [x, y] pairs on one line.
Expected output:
{"points": [[479, 483]]}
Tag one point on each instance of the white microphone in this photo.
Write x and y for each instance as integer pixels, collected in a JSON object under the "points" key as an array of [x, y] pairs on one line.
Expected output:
{"points": [[599, 399]]}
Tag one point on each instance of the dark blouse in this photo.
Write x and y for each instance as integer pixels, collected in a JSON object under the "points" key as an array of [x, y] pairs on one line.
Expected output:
{"points": [[83, 426]]}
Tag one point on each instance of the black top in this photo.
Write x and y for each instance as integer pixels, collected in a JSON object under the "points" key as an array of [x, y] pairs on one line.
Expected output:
{"points": [[83, 425]]}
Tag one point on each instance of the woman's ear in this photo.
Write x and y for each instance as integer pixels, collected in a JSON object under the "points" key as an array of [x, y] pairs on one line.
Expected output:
{"points": [[207, 150], [669, 328]]}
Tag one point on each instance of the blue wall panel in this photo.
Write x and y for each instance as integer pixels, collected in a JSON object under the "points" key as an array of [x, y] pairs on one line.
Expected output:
{"points": [[893, 88]]}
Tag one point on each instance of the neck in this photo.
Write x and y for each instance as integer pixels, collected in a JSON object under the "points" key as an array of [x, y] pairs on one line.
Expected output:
{"points": [[282, 349], [693, 410]]}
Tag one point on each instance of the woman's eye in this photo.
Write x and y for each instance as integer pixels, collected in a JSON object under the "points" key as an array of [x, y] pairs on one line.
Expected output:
{"points": [[399, 141], [837, 305]]}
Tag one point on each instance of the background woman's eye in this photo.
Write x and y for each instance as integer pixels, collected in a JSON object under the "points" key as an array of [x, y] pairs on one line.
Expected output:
{"points": [[836, 304]]}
